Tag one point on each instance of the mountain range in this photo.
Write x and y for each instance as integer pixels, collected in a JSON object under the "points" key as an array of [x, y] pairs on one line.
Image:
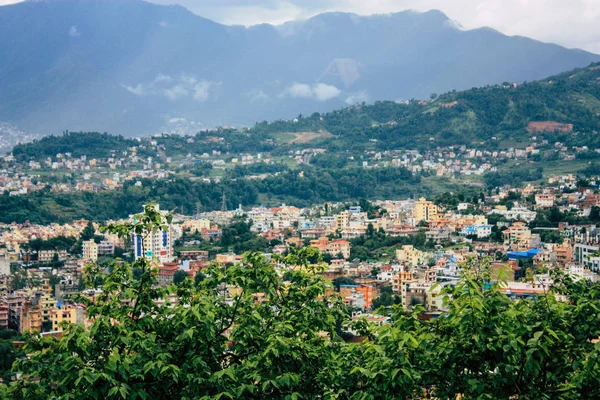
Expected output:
{"points": [[131, 67]]}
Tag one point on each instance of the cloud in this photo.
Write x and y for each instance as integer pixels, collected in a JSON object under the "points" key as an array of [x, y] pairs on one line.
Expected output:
{"points": [[256, 95], [202, 90], [137, 89], [73, 32], [175, 88], [300, 90], [357, 97], [318, 91], [176, 92], [163, 24], [325, 92]]}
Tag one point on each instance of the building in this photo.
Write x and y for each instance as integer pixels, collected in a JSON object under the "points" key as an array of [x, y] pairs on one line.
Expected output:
{"points": [[90, 251], [46, 256], [411, 256], [155, 244], [588, 255], [14, 311], [106, 248], [333, 248], [228, 258], [4, 264], [67, 313], [166, 272], [31, 317], [47, 304], [519, 213], [544, 199], [196, 225], [481, 231], [518, 234], [397, 280], [3, 315], [425, 210]]}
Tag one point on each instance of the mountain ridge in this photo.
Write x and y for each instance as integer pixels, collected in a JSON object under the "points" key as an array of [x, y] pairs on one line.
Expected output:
{"points": [[131, 67]]}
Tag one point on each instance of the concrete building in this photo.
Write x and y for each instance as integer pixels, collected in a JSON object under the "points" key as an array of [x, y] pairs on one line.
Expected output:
{"points": [[518, 233], [31, 317], [46, 256], [3, 315], [90, 251], [106, 248], [4, 264], [425, 210], [155, 244], [588, 255], [411, 256]]}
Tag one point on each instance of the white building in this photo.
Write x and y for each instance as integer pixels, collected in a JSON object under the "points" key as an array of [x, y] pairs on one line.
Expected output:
{"points": [[155, 245], [90, 250], [4, 264]]}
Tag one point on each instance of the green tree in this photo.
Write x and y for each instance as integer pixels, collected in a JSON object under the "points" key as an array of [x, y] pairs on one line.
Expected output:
{"points": [[180, 276], [343, 280], [140, 348], [88, 232]]}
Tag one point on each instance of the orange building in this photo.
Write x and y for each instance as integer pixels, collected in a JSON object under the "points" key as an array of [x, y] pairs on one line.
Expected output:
{"points": [[397, 280], [332, 248]]}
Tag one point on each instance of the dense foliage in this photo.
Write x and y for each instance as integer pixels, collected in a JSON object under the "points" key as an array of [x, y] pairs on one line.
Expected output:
{"points": [[300, 189], [479, 114], [242, 332], [90, 144], [470, 117]]}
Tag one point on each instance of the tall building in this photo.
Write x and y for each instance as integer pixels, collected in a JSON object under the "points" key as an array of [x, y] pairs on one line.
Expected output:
{"points": [[31, 317], [3, 315], [155, 245], [4, 264], [425, 210], [90, 250]]}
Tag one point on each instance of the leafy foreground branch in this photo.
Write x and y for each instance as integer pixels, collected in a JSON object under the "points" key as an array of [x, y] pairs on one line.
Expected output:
{"points": [[244, 333]]}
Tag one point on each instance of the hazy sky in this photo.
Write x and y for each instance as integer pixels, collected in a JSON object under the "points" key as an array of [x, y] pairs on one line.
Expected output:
{"points": [[572, 23]]}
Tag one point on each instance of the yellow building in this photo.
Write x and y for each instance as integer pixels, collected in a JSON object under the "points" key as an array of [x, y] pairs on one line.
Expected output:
{"points": [[425, 210], [47, 304], [196, 225], [90, 251], [518, 233], [411, 256], [67, 313], [342, 220]]}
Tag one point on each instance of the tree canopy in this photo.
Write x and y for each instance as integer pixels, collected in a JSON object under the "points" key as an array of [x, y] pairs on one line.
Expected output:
{"points": [[244, 333]]}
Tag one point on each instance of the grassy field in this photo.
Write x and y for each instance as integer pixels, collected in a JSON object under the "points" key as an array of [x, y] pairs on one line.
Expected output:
{"points": [[301, 137]]}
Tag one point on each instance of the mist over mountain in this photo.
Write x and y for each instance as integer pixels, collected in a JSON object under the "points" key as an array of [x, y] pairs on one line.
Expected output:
{"points": [[131, 67]]}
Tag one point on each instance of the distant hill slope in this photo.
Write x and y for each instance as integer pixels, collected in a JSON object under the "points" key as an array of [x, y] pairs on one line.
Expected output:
{"points": [[131, 67], [570, 102], [563, 108]]}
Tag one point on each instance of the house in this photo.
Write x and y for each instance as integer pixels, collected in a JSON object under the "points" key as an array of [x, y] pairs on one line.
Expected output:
{"points": [[408, 254], [518, 233], [333, 248]]}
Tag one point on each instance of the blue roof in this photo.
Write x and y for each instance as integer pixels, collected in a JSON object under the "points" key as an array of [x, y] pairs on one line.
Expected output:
{"points": [[523, 254]]}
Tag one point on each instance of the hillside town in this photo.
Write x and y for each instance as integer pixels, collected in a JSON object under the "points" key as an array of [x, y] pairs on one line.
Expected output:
{"points": [[376, 253], [66, 173]]}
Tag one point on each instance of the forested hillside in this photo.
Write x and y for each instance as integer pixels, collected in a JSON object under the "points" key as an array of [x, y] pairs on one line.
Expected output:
{"points": [[90, 144], [469, 117], [501, 111]]}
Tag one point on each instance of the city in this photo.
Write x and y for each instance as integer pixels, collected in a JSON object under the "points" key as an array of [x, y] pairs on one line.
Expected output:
{"points": [[299, 200]]}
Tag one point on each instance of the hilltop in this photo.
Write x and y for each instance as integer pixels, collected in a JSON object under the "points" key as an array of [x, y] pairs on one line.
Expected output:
{"points": [[504, 112]]}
